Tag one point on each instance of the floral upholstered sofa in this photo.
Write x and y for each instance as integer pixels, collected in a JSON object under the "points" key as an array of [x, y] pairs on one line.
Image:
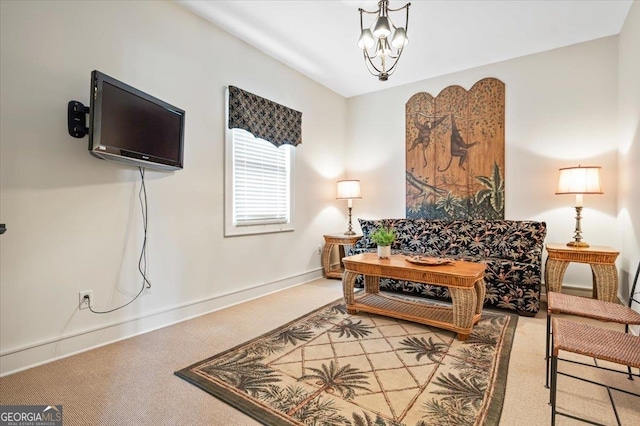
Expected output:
{"points": [[512, 251]]}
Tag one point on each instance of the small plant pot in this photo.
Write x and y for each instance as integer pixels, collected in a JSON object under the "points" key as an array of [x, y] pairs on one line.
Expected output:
{"points": [[384, 252]]}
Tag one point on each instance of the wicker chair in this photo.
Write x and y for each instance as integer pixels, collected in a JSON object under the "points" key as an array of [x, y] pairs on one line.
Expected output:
{"points": [[560, 303], [597, 342]]}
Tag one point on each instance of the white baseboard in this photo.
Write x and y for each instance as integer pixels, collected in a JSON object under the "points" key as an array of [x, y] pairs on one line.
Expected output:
{"points": [[28, 356]]}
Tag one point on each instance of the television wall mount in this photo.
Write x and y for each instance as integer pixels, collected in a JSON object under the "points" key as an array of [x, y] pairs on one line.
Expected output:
{"points": [[77, 119]]}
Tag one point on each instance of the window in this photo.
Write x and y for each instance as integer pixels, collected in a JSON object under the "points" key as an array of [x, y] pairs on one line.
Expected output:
{"points": [[260, 139], [258, 185]]}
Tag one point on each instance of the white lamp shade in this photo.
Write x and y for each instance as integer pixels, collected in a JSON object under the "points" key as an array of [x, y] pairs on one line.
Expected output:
{"points": [[382, 27], [399, 38], [348, 189], [366, 40], [579, 180]]}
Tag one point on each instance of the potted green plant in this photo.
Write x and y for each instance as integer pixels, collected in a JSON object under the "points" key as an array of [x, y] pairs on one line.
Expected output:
{"points": [[384, 237]]}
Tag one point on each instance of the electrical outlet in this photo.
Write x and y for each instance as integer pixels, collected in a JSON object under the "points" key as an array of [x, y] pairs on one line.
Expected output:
{"points": [[319, 249], [147, 290], [82, 302]]}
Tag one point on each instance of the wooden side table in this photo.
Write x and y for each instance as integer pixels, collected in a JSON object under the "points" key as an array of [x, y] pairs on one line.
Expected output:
{"points": [[601, 259], [330, 241]]}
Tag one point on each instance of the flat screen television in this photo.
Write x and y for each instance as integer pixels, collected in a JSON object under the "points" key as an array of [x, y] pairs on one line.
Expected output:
{"points": [[133, 127]]}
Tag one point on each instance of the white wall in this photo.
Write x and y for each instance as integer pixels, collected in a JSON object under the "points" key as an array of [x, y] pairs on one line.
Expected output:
{"points": [[73, 220], [629, 149], [561, 110]]}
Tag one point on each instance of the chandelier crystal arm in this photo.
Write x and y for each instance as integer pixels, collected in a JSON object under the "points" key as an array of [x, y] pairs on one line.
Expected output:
{"points": [[373, 12], [369, 63], [393, 67], [406, 22], [406, 6]]}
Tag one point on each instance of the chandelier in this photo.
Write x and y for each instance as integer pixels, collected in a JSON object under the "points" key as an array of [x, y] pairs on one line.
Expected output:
{"points": [[374, 40]]}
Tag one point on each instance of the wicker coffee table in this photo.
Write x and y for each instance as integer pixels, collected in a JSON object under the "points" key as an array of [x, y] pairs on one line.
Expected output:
{"points": [[465, 281]]}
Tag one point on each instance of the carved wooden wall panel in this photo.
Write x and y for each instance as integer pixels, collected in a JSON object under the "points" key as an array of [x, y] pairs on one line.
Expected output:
{"points": [[455, 153]]}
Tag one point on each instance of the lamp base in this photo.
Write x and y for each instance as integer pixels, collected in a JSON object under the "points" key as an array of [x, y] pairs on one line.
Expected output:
{"points": [[577, 237], [577, 244], [350, 229]]}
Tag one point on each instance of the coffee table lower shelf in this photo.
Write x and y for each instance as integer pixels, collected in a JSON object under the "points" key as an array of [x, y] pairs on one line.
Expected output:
{"points": [[437, 316]]}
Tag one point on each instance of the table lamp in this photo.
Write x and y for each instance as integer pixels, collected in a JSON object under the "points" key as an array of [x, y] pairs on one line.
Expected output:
{"points": [[348, 190], [579, 180]]}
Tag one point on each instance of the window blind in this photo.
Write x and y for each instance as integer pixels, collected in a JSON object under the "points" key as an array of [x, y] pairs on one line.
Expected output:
{"points": [[260, 180]]}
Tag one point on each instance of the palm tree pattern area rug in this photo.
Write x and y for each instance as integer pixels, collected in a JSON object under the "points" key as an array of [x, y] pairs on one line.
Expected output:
{"points": [[332, 368]]}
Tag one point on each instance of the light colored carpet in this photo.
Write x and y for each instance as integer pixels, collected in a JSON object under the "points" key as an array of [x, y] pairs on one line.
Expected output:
{"points": [[331, 367], [132, 382]]}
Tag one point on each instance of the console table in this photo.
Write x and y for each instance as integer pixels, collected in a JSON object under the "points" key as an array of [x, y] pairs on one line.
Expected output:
{"points": [[331, 241], [465, 281], [601, 259]]}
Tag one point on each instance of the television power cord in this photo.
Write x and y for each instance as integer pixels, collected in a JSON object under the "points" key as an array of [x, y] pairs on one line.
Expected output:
{"points": [[142, 261]]}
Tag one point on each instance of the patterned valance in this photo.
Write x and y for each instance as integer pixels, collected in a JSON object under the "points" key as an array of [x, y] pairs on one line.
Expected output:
{"points": [[263, 118]]}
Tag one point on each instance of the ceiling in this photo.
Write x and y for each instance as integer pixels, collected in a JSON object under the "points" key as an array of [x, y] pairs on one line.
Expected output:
{"points": [[318, 38]]}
